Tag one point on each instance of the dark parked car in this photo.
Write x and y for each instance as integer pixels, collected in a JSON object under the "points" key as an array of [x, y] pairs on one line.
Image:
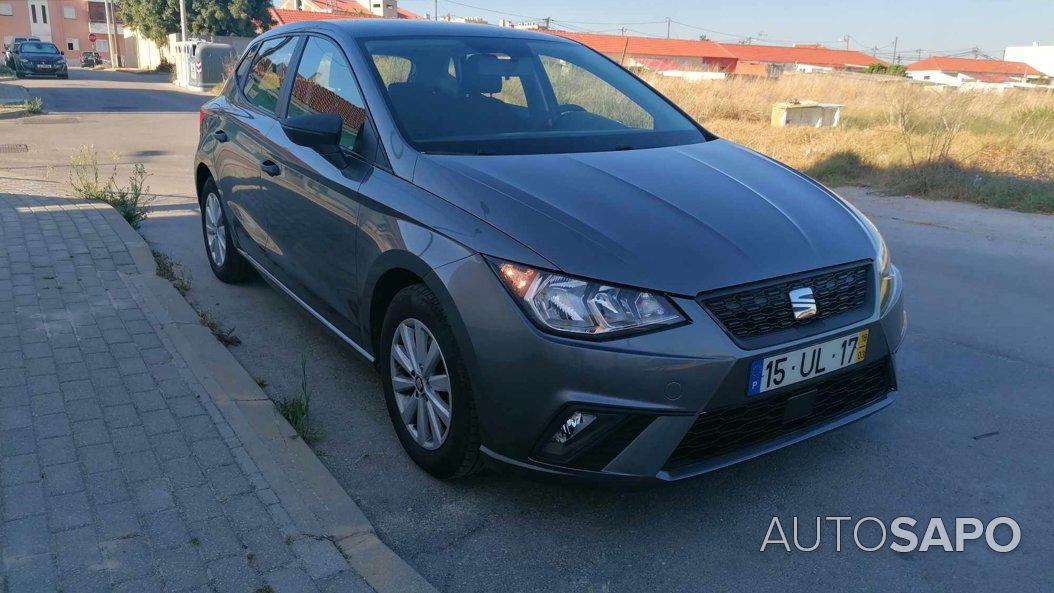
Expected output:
{"points": [[550, 264], [9, 60], [90, 59], [39, 58]]}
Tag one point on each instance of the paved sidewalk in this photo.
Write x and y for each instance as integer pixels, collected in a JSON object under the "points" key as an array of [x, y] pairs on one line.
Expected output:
{"points": [[12, 93], [118, 472]]}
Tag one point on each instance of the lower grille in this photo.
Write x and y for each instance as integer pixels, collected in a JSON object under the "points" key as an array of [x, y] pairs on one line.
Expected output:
{"points": [[722, 431]]}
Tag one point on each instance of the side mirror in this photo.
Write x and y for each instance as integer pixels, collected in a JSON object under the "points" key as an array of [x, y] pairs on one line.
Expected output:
{"points": [[320, 131]]}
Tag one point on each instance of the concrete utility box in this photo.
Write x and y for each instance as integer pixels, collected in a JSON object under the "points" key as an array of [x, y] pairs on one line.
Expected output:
{"points": [[202, 64], [806, 113]]}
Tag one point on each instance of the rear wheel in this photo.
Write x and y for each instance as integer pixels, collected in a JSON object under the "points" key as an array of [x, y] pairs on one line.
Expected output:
{"points": [[227, 264], [426, 387]]}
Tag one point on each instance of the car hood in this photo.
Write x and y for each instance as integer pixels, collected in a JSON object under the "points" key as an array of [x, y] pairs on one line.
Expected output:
{"points": [[681, 219], [41, 58]]}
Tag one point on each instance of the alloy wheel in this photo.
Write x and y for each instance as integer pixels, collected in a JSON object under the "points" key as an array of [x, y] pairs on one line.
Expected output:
{"points": [[421, 384], [215, 230]]}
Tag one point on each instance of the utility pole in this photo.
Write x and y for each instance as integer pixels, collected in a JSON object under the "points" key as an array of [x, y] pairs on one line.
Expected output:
{"points": [[895, 60], [182, 21], [115, 62], [548, 22], [846, 39], [435, 10], [623, 29], [667, 27], [920, 54], [975, 50]]}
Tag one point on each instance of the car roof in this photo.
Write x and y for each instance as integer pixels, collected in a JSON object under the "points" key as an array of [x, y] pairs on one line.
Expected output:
{"points": [[411, 28]]}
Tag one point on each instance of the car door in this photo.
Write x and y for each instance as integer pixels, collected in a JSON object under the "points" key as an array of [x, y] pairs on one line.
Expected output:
{"points": [[319, 198], [243, 160]]}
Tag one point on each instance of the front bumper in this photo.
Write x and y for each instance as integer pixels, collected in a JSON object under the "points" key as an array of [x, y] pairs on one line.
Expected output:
{"points": [[526, 380]]}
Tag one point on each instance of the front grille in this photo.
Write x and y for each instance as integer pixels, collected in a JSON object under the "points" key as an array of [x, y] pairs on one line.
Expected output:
{"points": [[767, 309], [729, 429]]}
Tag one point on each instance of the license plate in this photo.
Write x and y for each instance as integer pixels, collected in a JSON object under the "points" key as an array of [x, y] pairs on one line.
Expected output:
{"points": [[43, 66], [819, 359]]}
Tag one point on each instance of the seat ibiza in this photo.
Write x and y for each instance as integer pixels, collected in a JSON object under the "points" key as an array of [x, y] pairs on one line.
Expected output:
{"points": [[551, 265]]}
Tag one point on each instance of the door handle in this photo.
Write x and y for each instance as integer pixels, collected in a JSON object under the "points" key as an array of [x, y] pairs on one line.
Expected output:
{"points": [[220, 135], [270, 168]]}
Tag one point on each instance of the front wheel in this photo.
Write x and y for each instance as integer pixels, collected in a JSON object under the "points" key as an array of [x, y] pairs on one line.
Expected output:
{"points": [[227, 264], [426, 387]]}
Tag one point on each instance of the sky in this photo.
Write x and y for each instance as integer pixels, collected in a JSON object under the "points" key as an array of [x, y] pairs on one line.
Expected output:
{"points": [[943, 27]]}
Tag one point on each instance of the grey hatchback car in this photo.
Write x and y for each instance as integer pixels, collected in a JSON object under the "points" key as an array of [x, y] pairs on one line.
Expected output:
{"points": [[552, 267]]}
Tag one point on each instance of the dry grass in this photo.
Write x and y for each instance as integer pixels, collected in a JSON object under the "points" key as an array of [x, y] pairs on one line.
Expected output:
{"points": [[989, 148]]}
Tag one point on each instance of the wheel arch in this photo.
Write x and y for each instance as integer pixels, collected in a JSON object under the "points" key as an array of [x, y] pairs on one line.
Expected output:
{"points": [[202, 173]]}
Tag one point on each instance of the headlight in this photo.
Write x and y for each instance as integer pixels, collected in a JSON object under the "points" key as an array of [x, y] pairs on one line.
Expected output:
{"points": [[569, 305], [26, 62]]}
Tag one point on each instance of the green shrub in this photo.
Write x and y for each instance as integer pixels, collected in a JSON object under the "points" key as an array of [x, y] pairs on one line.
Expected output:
{"points": [[130, 201]]}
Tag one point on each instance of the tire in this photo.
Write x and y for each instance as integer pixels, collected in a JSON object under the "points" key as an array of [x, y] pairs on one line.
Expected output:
{"points": [[19, 74], [458, 454], [227, 264], [63, 76]]}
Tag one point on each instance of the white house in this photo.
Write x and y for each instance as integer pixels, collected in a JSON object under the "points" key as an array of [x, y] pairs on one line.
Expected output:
{"points": [[959, 71], [1040, 57]]}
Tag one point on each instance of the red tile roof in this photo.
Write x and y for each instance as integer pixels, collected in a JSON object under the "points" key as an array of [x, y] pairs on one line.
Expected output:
{"points": [[811, 55], [971, 65], [650, 46], [282, 17]]}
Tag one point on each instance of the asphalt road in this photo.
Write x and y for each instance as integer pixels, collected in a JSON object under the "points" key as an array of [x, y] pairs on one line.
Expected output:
{"points": [[970, 436]]}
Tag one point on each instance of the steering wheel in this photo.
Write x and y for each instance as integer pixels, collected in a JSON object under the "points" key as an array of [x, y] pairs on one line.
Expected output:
{"points": [[560, 111]]}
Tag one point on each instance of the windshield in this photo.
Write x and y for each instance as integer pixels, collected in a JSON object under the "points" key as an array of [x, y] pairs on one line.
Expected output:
{"points": [[38, 48], [484, 95]]}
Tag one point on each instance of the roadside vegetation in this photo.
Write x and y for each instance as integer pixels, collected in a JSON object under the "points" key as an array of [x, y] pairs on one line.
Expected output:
{"points": [[35, 106], [995, 149], [90, 182], [174, 272], [5, 71], [297, 409], [224, 334]]}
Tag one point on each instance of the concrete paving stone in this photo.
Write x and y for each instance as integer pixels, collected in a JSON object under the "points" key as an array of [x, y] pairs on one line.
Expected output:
{"points": [[19, 469], [90, 432], [98, 458], [183, 473], [12, 378], [107, 320], [198, 503], [66, 341], [227, 480], [47, 403], [36, 367], [12, 417], [185, 407], [117, 520], [43, 384], [147, 341], [198, 428], [153, 496], [139, 466], [266, 549], [105, 378], [176, 389], [267, 496], [77, 389], [121, 416], [159, 421], [181, 569], [140, 383], [290, 580], [153, 356], [116, 336], [124, 350], [212, 453], [68, 511], [67, 355], [34, 574], [11, 359], [130, 439], [166, 529], [165, 371], [94, 346], [13, 396], [320, 557], [347, 581], [57, 450], [83, 409], [107, 487], [234, 575], [63, 479], [24, 537], [132, 366], [113, 396], [17, 441], [216, 539], [76, 548], [91, 579], [11, 343], [52, 425], [138, 326], [150, 583], [99, 360], [170, 445]]}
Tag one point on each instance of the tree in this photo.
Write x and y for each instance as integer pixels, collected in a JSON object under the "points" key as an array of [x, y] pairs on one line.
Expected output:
{"points": [[156, 19]]}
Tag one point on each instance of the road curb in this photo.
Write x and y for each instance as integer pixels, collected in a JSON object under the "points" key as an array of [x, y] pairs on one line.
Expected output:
{"points": [[316, 502]]}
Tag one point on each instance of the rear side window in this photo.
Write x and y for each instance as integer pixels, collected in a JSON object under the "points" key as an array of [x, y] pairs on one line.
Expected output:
{"points": [[324, 83], [243, 67], [268, 70]]}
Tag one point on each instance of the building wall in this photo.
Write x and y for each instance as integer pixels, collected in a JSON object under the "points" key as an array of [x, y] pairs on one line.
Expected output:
{"points": [[69, 34], [1040, 57], [935, 76]]}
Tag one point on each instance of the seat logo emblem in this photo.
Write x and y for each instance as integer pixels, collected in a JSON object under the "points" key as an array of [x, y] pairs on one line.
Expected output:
{"points": [[803, 303]]}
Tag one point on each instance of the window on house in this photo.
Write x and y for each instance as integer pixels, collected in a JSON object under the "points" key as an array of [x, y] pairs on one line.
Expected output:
{"points": [[73, 44], [68, 12], [5, 9], [33, 13], [102, 46], [44, 14]]}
